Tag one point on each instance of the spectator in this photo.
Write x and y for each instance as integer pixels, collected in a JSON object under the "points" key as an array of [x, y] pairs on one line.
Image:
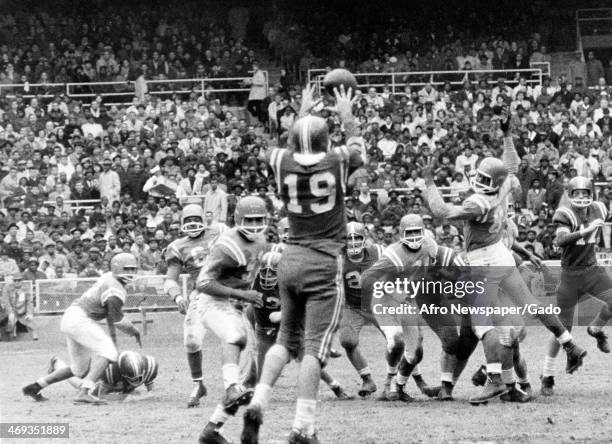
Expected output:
{"points": [[109, 184], [258, 92], [594, 69], [215, 201], [21, 306]]}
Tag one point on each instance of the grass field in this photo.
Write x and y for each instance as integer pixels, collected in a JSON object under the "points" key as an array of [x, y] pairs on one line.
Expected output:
{"points": [[580, 412]]}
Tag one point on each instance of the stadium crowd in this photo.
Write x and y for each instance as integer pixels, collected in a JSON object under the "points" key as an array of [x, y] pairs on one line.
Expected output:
{"points": [[142, 161]]}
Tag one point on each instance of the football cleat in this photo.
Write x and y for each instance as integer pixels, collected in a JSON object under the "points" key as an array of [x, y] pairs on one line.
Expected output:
{"points": [[33, 391], [210, 435], [602, 339], [548, 382], [253, 419], [431, 392], [575, 356], [515, 395], [296, 437], [446, 392], [367, 388], [235, 396], [492, 389], [526, 387], [397, 393], [52, 363], [421, 384], [341, 394], [199, 391], [479, 378], [384, 395], [87, 397], [333, 353]]}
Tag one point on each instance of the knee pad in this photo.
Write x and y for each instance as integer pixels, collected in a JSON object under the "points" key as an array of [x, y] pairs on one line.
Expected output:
{"points": [[192, 343], [395, 342], [349, 339]]}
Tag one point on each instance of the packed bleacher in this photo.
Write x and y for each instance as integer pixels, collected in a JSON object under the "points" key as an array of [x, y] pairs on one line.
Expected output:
{"points": [[82, 179]]}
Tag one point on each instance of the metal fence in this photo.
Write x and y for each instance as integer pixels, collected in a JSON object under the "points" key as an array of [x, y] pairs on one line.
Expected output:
{"points": [[119, 93], [397, 81], [54, 296]]}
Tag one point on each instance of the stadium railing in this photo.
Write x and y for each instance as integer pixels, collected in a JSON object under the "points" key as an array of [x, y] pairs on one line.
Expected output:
{"points": [[396, 81], [120, 93], [76, 205]]}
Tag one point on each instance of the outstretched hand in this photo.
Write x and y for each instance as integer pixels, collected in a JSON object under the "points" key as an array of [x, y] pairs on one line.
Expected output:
{"points": [[428, 170], [344, 102], [308, 100]]}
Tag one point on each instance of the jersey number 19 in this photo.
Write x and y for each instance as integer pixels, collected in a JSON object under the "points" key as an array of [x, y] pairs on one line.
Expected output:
{"points": [[318, 193]]}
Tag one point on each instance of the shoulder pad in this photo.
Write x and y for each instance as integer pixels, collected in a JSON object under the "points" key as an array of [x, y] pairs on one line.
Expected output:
{"points": [[601, 208], [231, 246], [393, 253], [566, 216], [477, 203]]}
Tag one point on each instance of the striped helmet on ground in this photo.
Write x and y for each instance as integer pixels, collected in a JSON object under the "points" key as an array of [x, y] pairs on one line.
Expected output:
{"points": [[131, 366]]}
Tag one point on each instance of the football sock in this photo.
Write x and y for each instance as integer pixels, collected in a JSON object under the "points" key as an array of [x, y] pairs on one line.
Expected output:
{"points": [[195, 365], [494, 368], [219, 416], [550, 364], [42, 383], [507, 376], [261, 395], [564, 338], [601, 319], [461, 364], [231, 374], [305, 416]]}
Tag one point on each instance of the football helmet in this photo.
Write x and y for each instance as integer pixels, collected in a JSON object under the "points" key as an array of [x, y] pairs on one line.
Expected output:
{"points": [[309, 135], [268, 272], [111, 376], [355, 238], [192, 220], [490, 175], [412, 231], [132, 367], [124, 267], [151, 367], [251, 217], [283, 229], [580, 183]]}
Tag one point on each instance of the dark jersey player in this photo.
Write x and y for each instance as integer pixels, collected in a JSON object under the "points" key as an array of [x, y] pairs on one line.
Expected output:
{"points": [[311, 179], [266, 318], [357, 314], [578, 224]]}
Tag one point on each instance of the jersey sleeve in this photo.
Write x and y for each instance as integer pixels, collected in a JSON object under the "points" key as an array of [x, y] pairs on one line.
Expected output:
{"points": [[275, 159], [565, 219], [110, 292], [225, 254], [173, 255], [601, 209], [476, 205], [114, 307]]}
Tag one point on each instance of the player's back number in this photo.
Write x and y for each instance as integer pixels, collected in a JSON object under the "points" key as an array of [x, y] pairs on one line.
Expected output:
{"points": [[318, 192]]}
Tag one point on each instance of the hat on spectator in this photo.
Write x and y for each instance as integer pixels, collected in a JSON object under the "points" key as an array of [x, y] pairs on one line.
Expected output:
{"points": [[12, 225], [94, 250], [74, 230], [49, 244], [33, 259], [156, 169], [106, 162]]}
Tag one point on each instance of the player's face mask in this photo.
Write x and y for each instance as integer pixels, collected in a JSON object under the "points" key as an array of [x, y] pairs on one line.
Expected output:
{"points": [[413, 238], [581, 198], [481, 183], [193, 226], [268, 278], [252, 227], [355, 245], [127, 275]]}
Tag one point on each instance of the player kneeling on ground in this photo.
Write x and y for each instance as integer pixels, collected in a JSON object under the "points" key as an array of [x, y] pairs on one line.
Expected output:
{"points": [[131, 370], [85, 337]]}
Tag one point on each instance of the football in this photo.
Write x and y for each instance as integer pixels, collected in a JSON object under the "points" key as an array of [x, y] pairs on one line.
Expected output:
{"points": [[337, 77]]}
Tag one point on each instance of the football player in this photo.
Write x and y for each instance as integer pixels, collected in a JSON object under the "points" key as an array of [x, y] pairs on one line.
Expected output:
{"points": [[186, 255], [311, 179], [90, 348], [484, 216], [407, 258], [456, 346], [578, 225], [512, 331], [266, 319], [356, 314], [131, 370], [228, 273]]}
